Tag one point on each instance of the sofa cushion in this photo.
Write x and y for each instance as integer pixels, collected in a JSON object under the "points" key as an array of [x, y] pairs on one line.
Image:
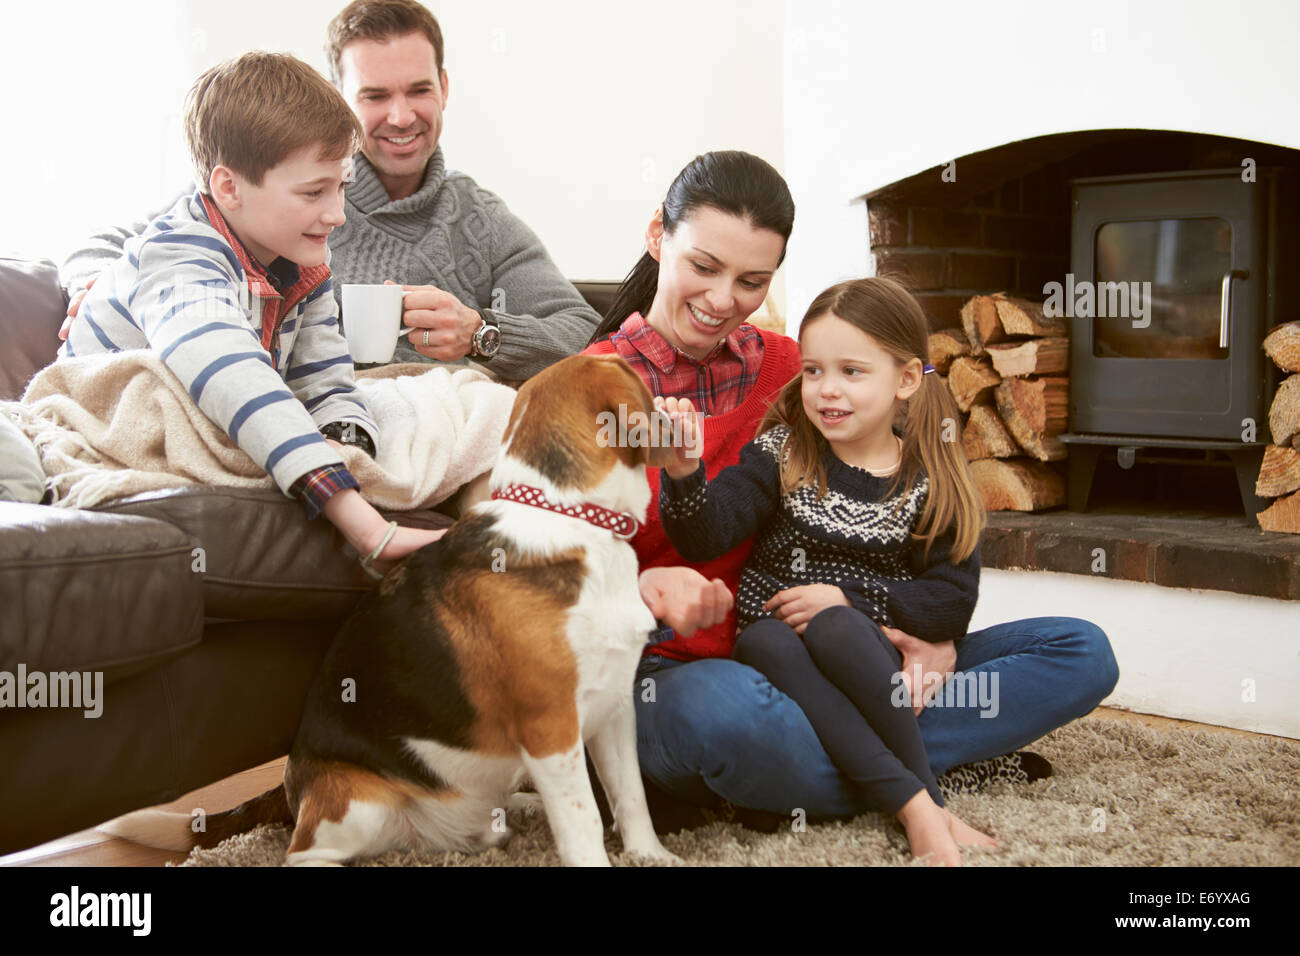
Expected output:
{"points": [[32, 307], [97, 592], [260, 557]]}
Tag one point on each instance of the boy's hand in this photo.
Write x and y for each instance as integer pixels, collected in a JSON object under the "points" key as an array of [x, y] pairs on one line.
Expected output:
{"points": [[449, 323], [798, 605], [73, 306], [686, 434], [365, 528]]}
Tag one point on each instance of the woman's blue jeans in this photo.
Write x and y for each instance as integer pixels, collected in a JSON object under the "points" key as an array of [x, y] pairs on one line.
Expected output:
{"points": [[717, 727]]}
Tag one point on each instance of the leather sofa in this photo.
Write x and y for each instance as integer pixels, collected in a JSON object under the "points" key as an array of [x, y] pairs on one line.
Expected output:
{"points": [[205, 609]]}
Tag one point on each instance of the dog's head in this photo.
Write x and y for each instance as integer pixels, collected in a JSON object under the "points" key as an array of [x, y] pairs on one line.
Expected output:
{"points": [[588, 427]]}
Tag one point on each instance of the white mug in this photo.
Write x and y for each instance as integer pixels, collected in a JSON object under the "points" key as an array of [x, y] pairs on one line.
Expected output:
{"points": [[372, 317]]}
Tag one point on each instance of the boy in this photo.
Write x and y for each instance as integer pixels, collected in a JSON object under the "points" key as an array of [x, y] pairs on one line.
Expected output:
{"points": [[232, 288]]}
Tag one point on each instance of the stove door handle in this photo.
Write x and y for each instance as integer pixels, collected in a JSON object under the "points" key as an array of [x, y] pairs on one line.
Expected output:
{"points": [[1225, 302]]}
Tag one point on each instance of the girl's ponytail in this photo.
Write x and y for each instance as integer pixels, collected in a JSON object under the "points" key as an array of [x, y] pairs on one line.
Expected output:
{"points": [[932, 444]]}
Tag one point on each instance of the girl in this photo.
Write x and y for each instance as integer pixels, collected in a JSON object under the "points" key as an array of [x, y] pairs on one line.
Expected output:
{"points": [[859, 528]]}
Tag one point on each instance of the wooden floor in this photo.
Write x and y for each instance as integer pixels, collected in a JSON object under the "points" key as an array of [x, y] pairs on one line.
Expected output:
{"points": [[90, 848]]}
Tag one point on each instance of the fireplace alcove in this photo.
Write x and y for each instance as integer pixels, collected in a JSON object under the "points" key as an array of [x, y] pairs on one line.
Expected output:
{"points": [[1000, 220]]}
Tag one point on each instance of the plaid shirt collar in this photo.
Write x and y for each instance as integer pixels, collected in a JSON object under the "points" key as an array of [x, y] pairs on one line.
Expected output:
{"points": [[282, 280], [662, 354]]}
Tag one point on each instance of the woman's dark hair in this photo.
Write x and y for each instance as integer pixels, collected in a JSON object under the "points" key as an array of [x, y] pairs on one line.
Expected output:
{"points": [[730, 181]]}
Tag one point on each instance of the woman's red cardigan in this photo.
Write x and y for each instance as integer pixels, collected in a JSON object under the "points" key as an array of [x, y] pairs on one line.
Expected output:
{"points": [[724, 436]]}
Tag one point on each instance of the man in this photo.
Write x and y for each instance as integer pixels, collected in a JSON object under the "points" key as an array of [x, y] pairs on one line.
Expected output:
{"points": [[480, 284]]}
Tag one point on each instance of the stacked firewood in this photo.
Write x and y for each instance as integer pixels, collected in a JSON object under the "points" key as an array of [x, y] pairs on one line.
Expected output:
{"points": [[1279, 474], [1008, 375]]}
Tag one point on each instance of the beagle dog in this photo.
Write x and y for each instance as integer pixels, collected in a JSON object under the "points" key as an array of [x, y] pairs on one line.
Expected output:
{"points": [[497, 653]]}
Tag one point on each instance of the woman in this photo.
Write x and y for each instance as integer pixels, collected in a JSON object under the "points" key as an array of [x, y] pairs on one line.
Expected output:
{"points": [[709, 727]]}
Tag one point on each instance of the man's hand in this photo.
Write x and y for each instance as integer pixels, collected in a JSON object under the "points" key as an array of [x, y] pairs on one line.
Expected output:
{"points": [[73, 306], [929, 658], [798, 605], [685, 422], [683, 598], [450, 324]]}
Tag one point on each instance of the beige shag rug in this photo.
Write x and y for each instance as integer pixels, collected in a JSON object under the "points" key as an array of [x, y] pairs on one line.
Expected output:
{"points": [[1122, 794]]}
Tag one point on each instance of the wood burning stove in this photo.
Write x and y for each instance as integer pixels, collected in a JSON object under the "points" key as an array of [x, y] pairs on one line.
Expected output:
{"points": [[1175, 279]]}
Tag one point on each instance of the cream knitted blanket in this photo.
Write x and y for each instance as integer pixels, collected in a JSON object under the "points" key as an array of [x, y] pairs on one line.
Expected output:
{"points": [[109, 426]]}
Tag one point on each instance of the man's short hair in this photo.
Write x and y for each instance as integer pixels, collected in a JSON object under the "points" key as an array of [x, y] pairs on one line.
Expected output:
{"points": [[380, 20], [252, 112]]}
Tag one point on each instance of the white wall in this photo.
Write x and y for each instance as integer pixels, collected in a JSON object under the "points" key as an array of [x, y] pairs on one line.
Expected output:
{"points": [[878, 91], [1226, 659], [579, 113]]}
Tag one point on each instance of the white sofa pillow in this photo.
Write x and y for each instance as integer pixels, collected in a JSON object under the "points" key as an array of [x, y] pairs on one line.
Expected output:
{"points": [[21, 475]]}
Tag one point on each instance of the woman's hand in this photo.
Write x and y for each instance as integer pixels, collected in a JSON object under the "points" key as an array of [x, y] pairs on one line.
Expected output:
{"points": [[798, 605], [924, 658], [685, 422], [683, 598]]}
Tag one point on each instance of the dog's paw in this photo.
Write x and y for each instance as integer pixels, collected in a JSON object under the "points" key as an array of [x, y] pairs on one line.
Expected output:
{"points": [[655, 855], [527, 804]]}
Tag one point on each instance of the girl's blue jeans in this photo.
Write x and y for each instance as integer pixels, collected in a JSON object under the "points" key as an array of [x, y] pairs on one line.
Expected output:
{"points": [[717, 727]]}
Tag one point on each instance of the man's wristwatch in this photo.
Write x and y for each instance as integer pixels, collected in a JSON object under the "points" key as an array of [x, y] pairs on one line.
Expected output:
{"points": [[487, 340], [349, 434]]}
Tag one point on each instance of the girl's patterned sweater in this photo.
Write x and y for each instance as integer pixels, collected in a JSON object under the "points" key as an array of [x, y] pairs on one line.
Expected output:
{"points": [[852, 538]]}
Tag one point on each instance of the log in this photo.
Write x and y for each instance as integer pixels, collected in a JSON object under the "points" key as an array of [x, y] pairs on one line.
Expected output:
{"points": [[986, 437], [1282, 515], [1022, 317], [1034, 410], [971, 379], [946, 345], [1283, 346], [1035, 357], [1017, 484], [1284, 413], [979, 317], [1279, 472]]}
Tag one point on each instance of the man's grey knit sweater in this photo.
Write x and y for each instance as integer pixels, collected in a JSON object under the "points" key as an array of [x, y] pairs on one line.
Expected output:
{"points": [[452, 234]]}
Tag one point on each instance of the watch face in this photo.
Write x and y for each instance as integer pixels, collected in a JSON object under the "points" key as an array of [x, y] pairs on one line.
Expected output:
{"points": [[488, 340]]}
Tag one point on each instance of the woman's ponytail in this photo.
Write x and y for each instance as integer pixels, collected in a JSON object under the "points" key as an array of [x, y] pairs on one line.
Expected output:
{"points": [[635, 294]]}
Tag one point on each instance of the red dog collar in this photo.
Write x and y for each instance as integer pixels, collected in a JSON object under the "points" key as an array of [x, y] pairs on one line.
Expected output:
{"points": [[621, 524]]}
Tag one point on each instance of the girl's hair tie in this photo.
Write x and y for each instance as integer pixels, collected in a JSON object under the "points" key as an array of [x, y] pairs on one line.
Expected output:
{"points": [[926, 370]]}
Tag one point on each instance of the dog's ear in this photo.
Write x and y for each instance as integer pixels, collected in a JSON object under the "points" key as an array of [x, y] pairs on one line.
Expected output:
{"points": [[656, 451]]}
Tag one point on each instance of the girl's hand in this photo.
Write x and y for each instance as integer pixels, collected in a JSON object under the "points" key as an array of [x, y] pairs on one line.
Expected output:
{"points": [[685, 424], [798, 605]]}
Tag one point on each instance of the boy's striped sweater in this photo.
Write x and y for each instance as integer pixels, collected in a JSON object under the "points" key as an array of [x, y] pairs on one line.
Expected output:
{"points": [[259, 351], [851, 538]]}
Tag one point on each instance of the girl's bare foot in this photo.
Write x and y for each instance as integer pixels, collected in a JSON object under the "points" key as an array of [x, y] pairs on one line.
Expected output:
{"points": [[929, 833], [965, 834]]}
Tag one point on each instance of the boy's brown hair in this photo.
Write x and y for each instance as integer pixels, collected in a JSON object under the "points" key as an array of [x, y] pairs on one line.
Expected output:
{"points": [[252, 112], [380, 20]]}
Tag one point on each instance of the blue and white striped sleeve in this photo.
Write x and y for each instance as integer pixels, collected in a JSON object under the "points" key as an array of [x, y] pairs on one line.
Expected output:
{"points": [[320, 369], [188, 304]]}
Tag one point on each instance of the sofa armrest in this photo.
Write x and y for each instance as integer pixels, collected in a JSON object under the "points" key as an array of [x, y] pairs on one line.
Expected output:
{"points": [[93, 592]]}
